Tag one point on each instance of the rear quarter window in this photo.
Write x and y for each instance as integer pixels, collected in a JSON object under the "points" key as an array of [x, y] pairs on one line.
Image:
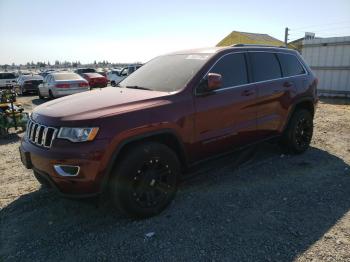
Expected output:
{"points": [[265, 66], [290, 65]]}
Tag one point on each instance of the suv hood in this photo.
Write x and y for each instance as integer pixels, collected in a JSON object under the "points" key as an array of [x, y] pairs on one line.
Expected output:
{"points": [[98, 103]]}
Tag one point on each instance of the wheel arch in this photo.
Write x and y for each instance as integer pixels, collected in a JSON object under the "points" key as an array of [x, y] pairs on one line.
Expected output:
{"points": [[167, 137], [303, 103]]}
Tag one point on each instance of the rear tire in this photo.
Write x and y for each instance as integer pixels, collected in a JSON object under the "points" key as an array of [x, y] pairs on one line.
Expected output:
{"points": [[298, 135], [145, 181], [40, 95], [51, 95], [113, 83]]}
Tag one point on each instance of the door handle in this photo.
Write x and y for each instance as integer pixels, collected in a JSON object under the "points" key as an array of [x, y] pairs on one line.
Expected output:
{"points": [[288, 84], [247, 92]]}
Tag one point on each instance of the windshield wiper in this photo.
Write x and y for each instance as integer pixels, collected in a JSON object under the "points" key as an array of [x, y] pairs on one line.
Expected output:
{"points": [[138, 87]]}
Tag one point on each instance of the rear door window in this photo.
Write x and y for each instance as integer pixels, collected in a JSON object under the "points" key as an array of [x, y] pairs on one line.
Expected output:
{"points": [[233, 70], [290, 65], [265, 66]]}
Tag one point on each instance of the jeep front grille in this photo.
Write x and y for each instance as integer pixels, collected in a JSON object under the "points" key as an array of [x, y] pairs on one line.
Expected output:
{"points": [[40, 135]]}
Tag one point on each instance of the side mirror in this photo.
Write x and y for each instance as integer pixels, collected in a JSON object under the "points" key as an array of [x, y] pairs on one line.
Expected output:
{"points": [[214, 81]]}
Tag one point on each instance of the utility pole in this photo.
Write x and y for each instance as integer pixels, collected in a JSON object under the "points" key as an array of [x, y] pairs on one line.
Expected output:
{"points": [[286, 36]]}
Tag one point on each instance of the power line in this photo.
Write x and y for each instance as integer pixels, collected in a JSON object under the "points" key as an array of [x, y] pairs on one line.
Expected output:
{"points": [[324, 29], [325, 34], [335, 31], [331, 29], [313, 26]]}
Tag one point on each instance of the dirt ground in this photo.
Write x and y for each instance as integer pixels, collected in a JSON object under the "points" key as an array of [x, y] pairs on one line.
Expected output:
{"points": [[271, 207]]}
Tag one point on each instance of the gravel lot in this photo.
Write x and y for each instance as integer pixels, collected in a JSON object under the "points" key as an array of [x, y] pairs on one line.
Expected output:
{"points": [[268, 207]]}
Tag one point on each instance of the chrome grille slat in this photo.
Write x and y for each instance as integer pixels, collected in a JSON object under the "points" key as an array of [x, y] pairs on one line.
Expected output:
{"points": [[37, 131], [33, 131], [43, 138], [38, 134], [30, 129]]}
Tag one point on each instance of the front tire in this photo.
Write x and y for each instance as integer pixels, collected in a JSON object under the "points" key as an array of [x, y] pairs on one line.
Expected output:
{"points": [[299, 132], [145, 181]]}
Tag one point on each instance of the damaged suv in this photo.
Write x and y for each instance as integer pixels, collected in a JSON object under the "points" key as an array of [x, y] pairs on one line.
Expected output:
{"points": [[135, 141]]}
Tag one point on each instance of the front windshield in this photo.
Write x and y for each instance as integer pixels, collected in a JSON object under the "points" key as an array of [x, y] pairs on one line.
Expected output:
{"points": [[166, 73]]}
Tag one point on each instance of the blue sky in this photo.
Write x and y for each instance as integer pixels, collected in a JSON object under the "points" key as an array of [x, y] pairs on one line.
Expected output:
{"points": [[130, 31]]}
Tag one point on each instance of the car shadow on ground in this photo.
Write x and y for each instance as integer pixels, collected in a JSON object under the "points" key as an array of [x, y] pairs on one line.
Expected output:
{"points": [[11, 137], [270, 207], [39, 101]]}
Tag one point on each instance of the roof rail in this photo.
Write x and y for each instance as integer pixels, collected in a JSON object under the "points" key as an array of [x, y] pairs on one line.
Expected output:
{"points": [[257, 45]]}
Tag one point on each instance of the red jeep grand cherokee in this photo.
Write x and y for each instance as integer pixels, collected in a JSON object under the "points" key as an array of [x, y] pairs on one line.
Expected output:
{"points": [[134, 141]]}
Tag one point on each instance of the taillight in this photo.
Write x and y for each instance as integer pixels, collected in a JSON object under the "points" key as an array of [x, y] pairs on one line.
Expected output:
{"points": [[83, 84], [62, 85]]}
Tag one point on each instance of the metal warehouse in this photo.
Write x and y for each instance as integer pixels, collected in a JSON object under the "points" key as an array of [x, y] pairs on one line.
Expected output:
{"points": [[329, 58]]}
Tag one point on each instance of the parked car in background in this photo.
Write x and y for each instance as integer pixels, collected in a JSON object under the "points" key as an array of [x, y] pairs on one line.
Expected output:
{"points": [[62, 84], [81, 71], [29, 83], [115, 76], [101, 72], [46, 72], [7, 80], [174, 112], [95, 80]]}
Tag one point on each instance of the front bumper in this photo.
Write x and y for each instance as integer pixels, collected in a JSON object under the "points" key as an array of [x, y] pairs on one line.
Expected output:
{"points": [[88, 156], [44, 178]]}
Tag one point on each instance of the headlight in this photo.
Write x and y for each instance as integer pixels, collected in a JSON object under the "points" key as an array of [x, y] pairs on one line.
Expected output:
{"points": [[78, 134]]}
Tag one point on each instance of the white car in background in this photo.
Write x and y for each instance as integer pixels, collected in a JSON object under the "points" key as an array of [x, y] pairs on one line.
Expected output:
{"points": [[7, 80], [62, 84], [116, 75]]}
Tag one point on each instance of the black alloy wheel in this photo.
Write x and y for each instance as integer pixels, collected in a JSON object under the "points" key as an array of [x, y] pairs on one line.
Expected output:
{"points": [[298, 134], [144, 181], [303, 132], [152, 183]]}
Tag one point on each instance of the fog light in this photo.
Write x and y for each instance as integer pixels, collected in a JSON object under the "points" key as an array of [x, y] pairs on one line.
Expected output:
{"points": [[67, 170]]}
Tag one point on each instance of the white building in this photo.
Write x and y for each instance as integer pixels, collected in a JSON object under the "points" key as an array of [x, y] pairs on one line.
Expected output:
{"points": [[329, 58]]}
